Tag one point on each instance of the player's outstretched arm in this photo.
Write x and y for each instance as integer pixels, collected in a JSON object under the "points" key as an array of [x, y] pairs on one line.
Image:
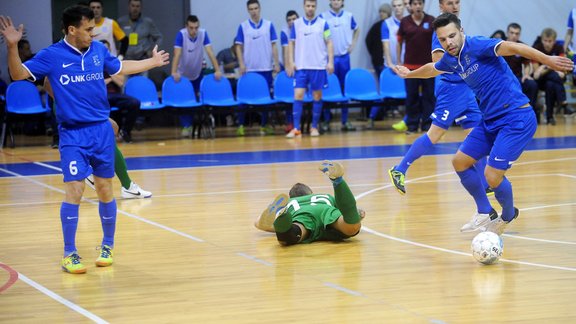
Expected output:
{"points": [[159, 58], [424, 72], [558, 63]]}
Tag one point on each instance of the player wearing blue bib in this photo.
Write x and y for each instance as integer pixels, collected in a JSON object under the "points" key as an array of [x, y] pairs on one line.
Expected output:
{"points": [[75, 67], [455, 102], [509, 122]]}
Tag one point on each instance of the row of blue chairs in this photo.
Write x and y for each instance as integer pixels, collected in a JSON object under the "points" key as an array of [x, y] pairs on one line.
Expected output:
{"points": [[252, 89]]}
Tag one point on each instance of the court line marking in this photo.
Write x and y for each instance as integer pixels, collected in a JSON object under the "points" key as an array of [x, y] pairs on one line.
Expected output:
{"points": [[12, 277], [366, 229]]}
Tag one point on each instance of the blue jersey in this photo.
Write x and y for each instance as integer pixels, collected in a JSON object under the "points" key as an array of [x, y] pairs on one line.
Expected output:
{"points": [[487, 74], [77, 80]]}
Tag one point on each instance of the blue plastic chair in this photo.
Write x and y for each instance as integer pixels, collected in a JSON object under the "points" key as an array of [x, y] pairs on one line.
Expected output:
{"points": [[217, 93], [284, 89], [391, 85], [143, 89], [360, 85], [179, 94], [333, 93], [253, 90], [22, 98]]}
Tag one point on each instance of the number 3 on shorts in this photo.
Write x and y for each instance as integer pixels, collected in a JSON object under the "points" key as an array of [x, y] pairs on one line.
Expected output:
{"points": [[445, 115], [73, 168]]}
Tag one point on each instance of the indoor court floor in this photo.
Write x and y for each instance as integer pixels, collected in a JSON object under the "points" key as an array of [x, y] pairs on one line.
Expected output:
{"points": [[191, 254]]}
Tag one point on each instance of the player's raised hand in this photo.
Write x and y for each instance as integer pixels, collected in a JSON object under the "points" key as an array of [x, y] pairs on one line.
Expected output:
{"points": [[160, 58], [401, 70], [560, 63], [9, 32]]}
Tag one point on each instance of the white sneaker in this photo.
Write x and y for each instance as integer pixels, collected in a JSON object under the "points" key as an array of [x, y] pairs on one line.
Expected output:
{"points": [[186, 131], [135, 192], [479, 222], [314, 132], [498, 225], [90, 182]]}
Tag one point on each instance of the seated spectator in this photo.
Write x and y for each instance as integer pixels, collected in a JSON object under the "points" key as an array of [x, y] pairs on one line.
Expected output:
{"points": [[128, 106], [522, 69], [552, 82], [499, 34], [228, 60]]}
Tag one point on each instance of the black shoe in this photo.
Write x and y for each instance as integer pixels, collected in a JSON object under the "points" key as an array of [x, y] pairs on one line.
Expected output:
{"points": [[568, 111], [55, 141], [126, 136], [551, 121]]}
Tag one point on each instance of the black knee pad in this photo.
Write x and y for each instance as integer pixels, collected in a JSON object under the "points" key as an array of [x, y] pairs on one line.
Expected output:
{"points": [[291, 237]]}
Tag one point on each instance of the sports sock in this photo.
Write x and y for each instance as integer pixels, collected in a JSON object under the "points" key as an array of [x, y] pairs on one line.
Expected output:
{"points": [[481, 166], [297, 113], [283, 223], [121, 169], [420, 146], [345, 201], [327, 115], [344, 112], [374, 112], [316, 113], [69, 219], [108, 219], [470, 179], [241, 116], [505, 197], [263, 119]]}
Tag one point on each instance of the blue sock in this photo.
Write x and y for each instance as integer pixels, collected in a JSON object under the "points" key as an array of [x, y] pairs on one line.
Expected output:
{"points": [[186, 120], [421, 145], [505, 197], [108, 217], [69, 219], [373, 112], [481, 166], [289, 118], [316, 113], [470, 179], [344, 112], [327, 116], [241, 117], [297, 113], [264, 118]]}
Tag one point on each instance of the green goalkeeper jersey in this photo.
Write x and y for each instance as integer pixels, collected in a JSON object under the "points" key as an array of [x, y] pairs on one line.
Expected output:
{"points": [[316, 212]]}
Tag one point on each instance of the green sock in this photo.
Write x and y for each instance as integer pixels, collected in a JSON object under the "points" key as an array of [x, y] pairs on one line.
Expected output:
{"points": [[283, 223], [121, 169], [346, 202]]}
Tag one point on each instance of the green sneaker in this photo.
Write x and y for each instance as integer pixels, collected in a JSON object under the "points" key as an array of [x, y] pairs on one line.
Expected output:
{"points": [[240, 131], [400, 126], [348, 127], [105, 258], [332, 169], [397, 179], [71, 263], [267, 130]]}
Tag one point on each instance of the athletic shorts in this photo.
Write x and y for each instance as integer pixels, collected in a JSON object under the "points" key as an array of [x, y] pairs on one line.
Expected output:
{"points": [[317, 223], [503, 139], [87, 150], [317, 79], [455, 102]]}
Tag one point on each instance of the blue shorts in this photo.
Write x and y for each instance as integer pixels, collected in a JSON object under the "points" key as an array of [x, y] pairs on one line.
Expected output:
{"points": [[318, 79], [504, 138], [341, 67], [455, 102], [87, 150]]}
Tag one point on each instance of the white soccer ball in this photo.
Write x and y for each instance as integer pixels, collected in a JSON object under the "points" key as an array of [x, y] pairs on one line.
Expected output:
{"points": [[487, 247]]}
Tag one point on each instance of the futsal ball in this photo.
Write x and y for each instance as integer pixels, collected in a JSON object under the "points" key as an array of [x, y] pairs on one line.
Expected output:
{"points": [[487, 247]]}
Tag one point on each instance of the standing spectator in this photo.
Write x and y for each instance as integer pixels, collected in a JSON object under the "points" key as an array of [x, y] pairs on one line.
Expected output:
{"points": [[142, 32], [108, 29], [86, 136], [310, 56], [188, 57], [552, 82], [257, 52], [291, 17], [522, 69], [344, 32], [415, 32], [373, 39], [388, 43], [498, 34]]}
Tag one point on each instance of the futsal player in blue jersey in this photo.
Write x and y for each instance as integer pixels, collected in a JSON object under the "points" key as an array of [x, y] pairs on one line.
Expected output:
{"points": [[509, 121], [75, 67], [455, 102]]}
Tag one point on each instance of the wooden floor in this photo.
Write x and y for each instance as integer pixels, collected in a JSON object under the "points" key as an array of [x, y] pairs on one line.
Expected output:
{"points": [[190, 254]]}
